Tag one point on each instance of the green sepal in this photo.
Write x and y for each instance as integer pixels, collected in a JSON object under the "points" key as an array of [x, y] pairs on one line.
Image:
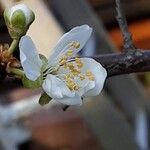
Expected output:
{"points": [[6, 17], [44, 99], [32, 84], [44, 62]]}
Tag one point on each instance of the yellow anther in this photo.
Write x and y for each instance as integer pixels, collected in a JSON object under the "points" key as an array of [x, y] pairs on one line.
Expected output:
{"points": [[71, 84], [66, 76], [77, 45], [82, 77], [75, 72], [79, 65], [76, 87], [71, 43], [70, 66], [91, 78], [70, 52], [63, 60], [65, 65], [55, 71], [69, 77], [64, 57], [77, 60], [90, 75]]}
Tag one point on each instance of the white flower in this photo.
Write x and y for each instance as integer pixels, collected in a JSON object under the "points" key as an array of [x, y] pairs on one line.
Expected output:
{"points": [[18, 19], [66, 78]]}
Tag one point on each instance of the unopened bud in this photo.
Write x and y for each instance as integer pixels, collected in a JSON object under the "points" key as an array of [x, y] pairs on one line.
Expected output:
{"points": [[18, 19]]}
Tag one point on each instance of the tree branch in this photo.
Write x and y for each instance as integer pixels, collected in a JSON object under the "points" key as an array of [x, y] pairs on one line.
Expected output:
{"points": [[127, 37], [125, 63], [131, 60]]}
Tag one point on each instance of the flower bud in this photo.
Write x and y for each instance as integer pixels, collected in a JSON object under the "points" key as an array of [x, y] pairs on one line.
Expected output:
{"points": [[18, 19]]}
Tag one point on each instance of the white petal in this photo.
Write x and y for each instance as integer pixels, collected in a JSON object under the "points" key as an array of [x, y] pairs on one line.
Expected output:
{"points": [[85, 85], [99, 73], [56, 88], [29, 57], [76, 100], [79, 34], [90, 85]]}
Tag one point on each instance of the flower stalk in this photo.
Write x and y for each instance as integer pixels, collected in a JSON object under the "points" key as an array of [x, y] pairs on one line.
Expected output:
{"points": [[13, 46], [16, 71]]}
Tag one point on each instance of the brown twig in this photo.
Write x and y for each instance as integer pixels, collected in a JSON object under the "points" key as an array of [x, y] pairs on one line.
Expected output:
{"points": [[125, 63], [131, 60], [127, 37]]}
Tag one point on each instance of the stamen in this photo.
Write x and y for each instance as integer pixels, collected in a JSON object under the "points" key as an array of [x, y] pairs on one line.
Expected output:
{"points": [[70, 52], [69, 76], [90, 75], [63, 60], [73, 66], [70, 66], [71, 84], [91, 78], [78, 60], [82, 77], [51, 70], [80, 65], [76, 87], [75, 72], [75, 44]]}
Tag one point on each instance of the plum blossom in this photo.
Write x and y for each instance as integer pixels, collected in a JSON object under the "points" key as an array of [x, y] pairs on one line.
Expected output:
{"points": [[66, 77]]}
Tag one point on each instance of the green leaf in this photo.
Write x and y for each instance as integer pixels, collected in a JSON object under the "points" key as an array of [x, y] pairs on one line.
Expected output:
{"points": [[44, 62], [32, 84], [44, 99]]}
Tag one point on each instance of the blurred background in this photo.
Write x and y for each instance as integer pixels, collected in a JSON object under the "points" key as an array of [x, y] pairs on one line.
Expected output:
{"points": [[119, 118]]}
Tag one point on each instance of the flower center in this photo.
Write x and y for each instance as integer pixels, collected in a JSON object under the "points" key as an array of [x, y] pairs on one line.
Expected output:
{"points": [[74, 68]]}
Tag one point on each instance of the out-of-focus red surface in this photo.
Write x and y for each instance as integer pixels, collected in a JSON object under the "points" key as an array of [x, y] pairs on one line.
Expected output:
{"points": [[57, 129], [140, 32]]}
